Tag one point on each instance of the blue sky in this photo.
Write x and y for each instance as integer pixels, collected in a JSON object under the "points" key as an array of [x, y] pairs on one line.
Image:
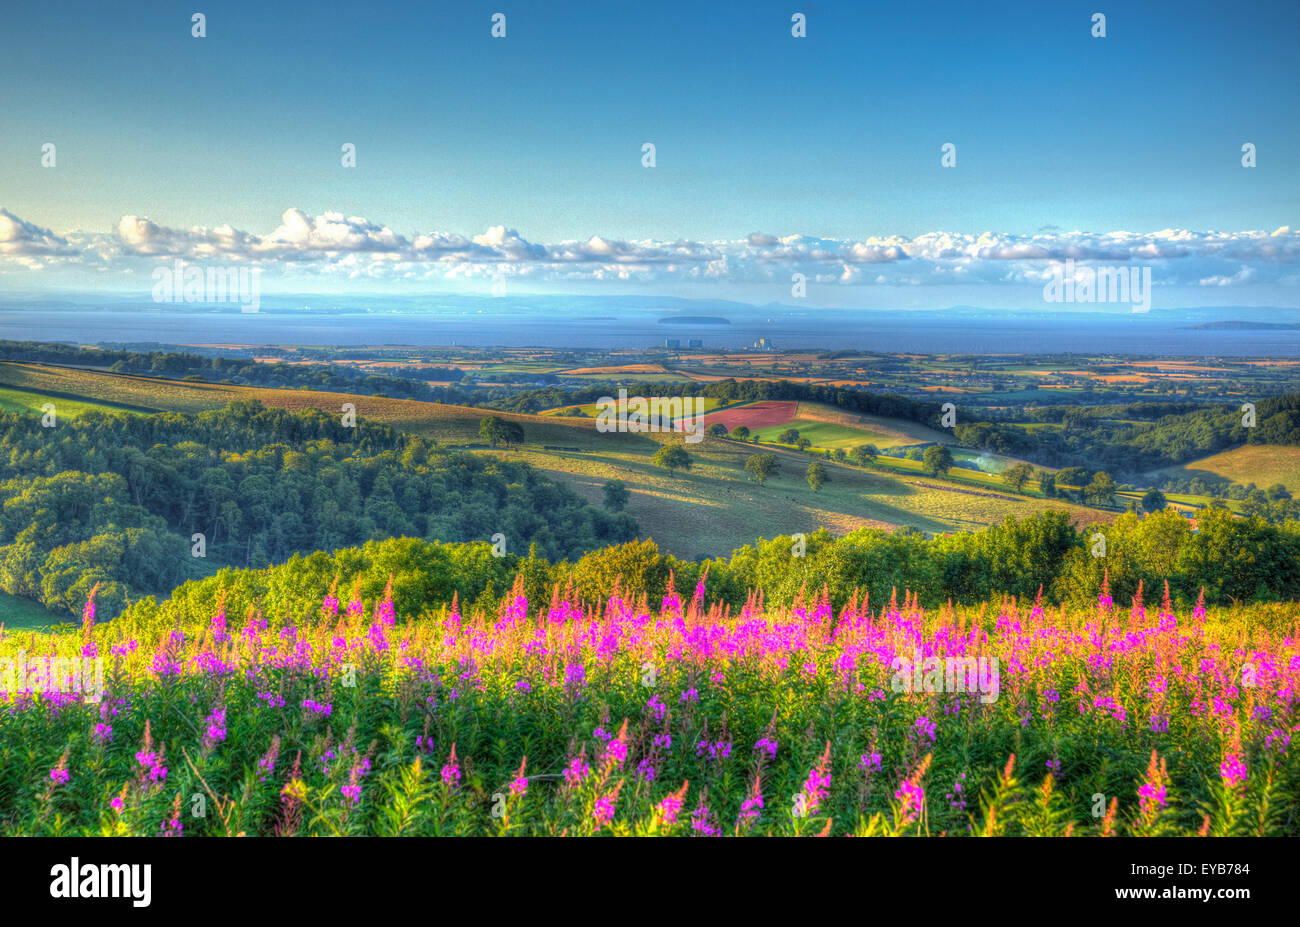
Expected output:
{"points": [[834, 138]]}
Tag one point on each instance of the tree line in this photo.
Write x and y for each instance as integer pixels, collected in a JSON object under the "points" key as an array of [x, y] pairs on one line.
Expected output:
{"points": [[1233, 559], [1126, 444], [117, 499], [401, 383]]}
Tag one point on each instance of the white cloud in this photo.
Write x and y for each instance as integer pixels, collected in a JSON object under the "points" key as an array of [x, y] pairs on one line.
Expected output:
{"points": [[352, 246], [22, 239]]}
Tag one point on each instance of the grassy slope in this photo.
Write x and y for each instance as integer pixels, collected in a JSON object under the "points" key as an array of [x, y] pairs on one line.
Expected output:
{"points": [[715, 508], [828, 434], [1261, 464], [1178, 503], [828, 427], [22, 614], [18, 400], [143, 393]]}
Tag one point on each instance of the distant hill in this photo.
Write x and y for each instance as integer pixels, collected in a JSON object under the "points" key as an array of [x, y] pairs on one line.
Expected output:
{"points": [[1242, 325]]}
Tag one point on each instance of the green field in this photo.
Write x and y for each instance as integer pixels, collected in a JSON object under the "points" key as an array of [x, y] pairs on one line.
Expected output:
{"points": [[1192, 502], [828, 427], [716, 508], [1175, 502], [100, 388], [988, 463], [18, 400], [518, 368], [661, 377], [21, 614], [828, 434], [981, 478], [1261, 464]]}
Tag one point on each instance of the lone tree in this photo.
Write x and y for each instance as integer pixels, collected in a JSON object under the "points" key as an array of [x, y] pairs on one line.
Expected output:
{"points": [[1154, 500], [1017, 475], [616, 496], [762, 466], [865, 453], [1074, 477], [672, 457], [717, 430], [937, 460], [1047, 483], [802, 443], [496, 431], [1101, 491], [816, 475], [740, 433], [789, 436]]}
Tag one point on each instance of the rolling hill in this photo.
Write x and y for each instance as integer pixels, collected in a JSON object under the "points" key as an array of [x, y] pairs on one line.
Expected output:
{"points": [[709, 511], [1261, 464]]}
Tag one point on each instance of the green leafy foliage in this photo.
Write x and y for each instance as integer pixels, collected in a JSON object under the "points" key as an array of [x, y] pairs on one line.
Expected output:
{"points": [[116, 499]]}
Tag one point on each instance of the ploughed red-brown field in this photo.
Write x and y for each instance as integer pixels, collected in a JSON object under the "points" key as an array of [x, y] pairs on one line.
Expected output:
{"points": [[754, 415]]}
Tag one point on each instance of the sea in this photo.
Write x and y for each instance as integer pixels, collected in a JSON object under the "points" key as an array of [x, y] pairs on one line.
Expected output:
{"points": [[885, 332]]}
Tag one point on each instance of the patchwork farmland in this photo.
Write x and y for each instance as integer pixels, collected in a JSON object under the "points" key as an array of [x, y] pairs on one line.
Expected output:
{"points": [[710, 510]]}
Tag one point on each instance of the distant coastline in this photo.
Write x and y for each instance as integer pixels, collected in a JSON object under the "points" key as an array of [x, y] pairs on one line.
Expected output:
{"points": [[1244, 326], [694, 320]]}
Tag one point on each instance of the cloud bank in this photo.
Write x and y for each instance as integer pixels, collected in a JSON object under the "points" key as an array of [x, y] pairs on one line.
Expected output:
{"points": [[335, 244]]}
